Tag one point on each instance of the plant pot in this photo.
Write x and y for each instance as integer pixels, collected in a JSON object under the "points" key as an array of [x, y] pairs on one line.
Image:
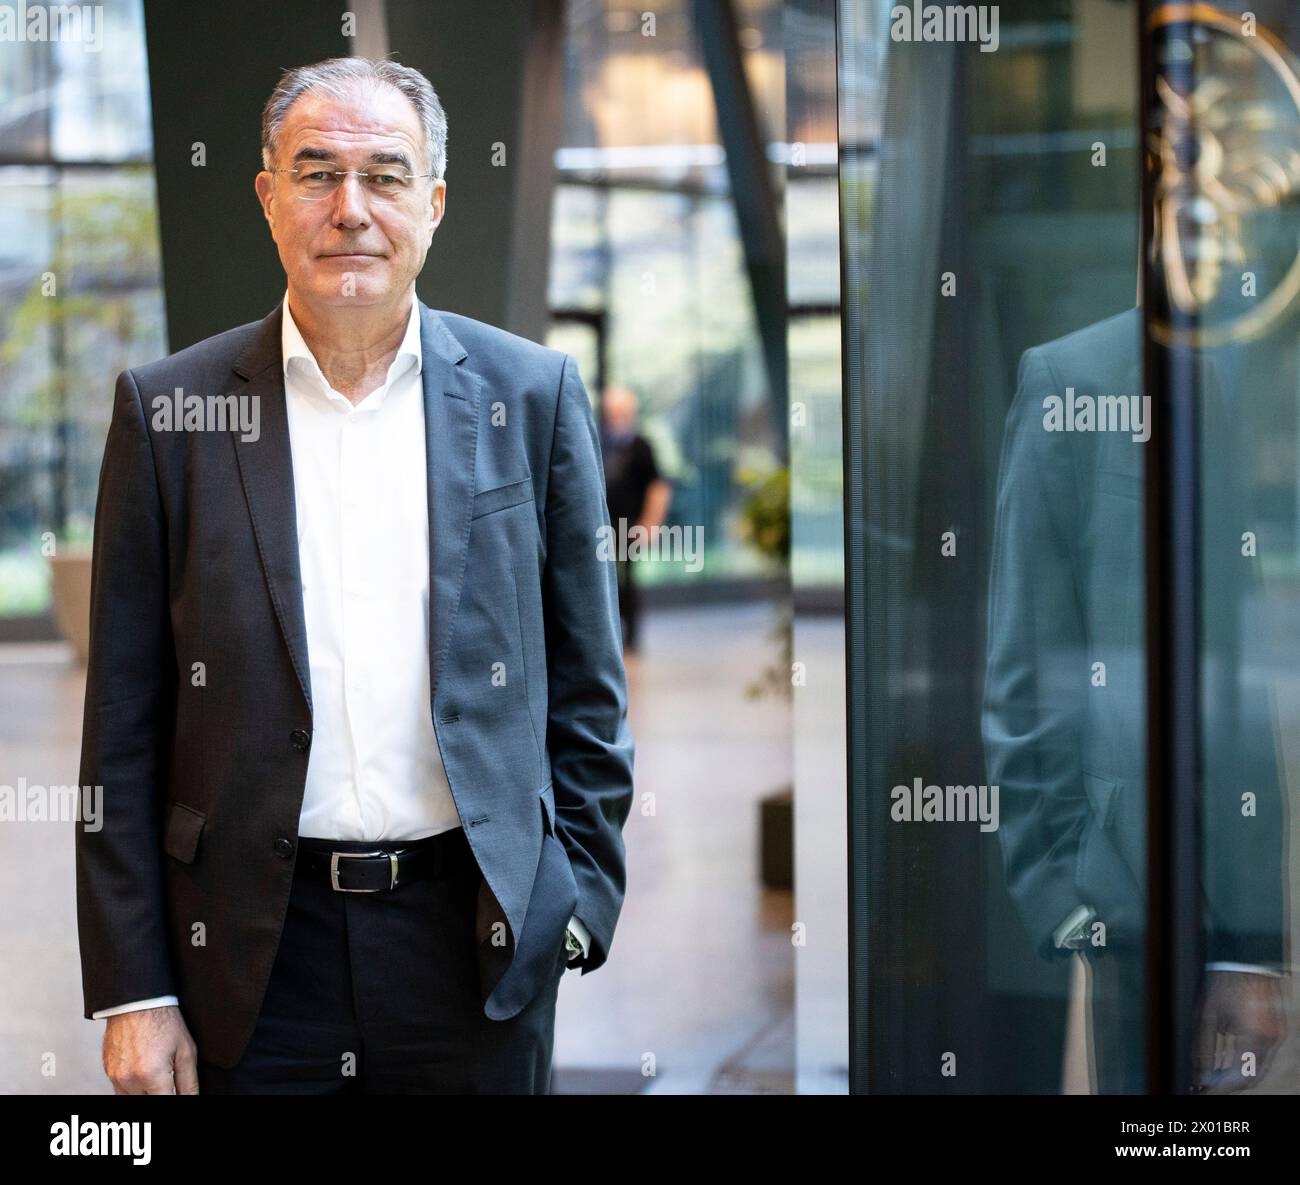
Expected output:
{"points": [[70, 589], [776, 839]]}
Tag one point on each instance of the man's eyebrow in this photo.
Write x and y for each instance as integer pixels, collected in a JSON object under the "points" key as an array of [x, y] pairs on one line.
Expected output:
{"points": [[375, 158], [312, 154], [390, 158]]}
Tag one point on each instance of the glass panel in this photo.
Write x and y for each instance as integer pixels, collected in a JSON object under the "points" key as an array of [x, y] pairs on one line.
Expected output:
{"points": [[816, 553], [645, 235], [85, 303], [583, 342], [26, 238], [994, 566], [26, 87], [101, 100], [817, 475], [82, 97], [667, 271], [638, 104]]}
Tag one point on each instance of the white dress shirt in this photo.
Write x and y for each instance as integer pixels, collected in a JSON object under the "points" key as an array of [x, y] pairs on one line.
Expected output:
{"points": [[360, 475], [361, 486]]}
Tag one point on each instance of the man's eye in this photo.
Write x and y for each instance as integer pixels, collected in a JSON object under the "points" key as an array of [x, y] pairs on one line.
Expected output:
{"points": [[318, 175], [384, 180]]}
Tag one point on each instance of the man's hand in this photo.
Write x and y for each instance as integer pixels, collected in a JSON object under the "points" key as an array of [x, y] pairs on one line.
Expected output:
{"points": [[1247, 1009], [150, 1051]]}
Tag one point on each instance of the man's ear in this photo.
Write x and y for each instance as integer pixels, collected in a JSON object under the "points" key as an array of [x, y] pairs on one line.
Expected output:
{"points": [[263, 183], [438, 201]]}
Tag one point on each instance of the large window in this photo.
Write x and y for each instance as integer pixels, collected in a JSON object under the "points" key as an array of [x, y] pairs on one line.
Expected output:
{"points": [[80, 295], [647, 255]]}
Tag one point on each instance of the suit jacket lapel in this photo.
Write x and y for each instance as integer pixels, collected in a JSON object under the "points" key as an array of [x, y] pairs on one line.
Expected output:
{"points": [[266, 471], [451, 418]]}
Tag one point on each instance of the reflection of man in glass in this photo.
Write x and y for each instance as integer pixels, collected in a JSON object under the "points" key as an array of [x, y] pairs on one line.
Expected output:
{"points": [[1064, 707], [638, 496]]}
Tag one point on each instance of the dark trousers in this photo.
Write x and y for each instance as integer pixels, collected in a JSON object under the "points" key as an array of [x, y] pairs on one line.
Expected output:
{"points": [[378, 993], [628, 609]]}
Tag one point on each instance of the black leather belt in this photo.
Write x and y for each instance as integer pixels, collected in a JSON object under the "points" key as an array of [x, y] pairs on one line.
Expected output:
{"points": [[356, 867]]}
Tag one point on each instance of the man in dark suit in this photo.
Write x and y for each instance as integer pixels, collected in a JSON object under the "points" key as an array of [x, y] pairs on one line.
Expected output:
{"points": [[355, 693], [1064, 706]]}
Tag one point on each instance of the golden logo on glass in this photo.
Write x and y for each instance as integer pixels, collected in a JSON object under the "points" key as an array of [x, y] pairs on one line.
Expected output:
{"points": [[1227, 171]]}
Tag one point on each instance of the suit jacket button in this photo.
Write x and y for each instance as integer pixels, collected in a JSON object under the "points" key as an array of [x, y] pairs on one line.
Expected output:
{"points": [[300, 738], [283, 847]]}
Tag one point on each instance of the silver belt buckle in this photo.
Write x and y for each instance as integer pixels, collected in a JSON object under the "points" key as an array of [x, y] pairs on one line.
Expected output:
{"points": [[334, 870]]}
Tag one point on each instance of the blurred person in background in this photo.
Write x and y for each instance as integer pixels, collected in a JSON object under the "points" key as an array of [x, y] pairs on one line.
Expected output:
{"points": [[637, 494]]}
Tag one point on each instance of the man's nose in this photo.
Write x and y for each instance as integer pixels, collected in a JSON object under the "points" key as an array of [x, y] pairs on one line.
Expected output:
{"points": [[350, 207]]}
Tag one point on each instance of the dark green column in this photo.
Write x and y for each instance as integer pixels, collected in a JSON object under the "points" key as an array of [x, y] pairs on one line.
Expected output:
{"points": [[498, 71], [211, 70]]}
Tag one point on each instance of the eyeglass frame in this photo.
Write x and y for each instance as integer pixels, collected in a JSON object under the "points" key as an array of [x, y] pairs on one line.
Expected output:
{"points": [[341, 173]]}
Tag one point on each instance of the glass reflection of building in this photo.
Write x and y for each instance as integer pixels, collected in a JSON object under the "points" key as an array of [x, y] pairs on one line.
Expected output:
{"points": [[991, 241]]}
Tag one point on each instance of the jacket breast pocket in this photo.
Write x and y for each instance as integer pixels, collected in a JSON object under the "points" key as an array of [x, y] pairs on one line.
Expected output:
{"points": [[502, 497], [181, 832]]}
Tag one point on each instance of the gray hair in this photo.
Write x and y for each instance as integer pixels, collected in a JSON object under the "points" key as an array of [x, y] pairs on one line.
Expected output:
{"points": [[337, 77]]}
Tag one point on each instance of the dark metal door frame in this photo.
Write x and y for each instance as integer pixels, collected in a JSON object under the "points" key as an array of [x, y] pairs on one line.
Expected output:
{"points": [[1174, 939]]}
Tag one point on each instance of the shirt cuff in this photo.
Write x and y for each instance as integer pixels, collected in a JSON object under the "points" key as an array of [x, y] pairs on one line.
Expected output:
{"points": [[1081, 915], [1245, 968], [136, 1006], [582, 934]]}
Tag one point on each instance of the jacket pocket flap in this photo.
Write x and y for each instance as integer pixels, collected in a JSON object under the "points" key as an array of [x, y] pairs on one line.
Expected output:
{"points": [[181, 835], [502, 497], [1101, 793]]}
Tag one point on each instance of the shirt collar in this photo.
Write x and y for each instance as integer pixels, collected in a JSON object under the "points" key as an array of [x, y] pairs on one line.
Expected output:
{"points": [[293, 345]]}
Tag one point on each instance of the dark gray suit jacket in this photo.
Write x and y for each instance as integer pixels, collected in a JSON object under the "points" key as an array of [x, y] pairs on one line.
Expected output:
{"points": [[1067, 591], [196, 560]]}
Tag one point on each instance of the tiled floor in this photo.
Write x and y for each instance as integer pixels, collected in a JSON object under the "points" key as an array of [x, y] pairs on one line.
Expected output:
{"points": [[698, 993]]}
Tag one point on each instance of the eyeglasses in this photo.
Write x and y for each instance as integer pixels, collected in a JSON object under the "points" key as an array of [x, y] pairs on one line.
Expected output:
{"points": [[313, 184]]}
